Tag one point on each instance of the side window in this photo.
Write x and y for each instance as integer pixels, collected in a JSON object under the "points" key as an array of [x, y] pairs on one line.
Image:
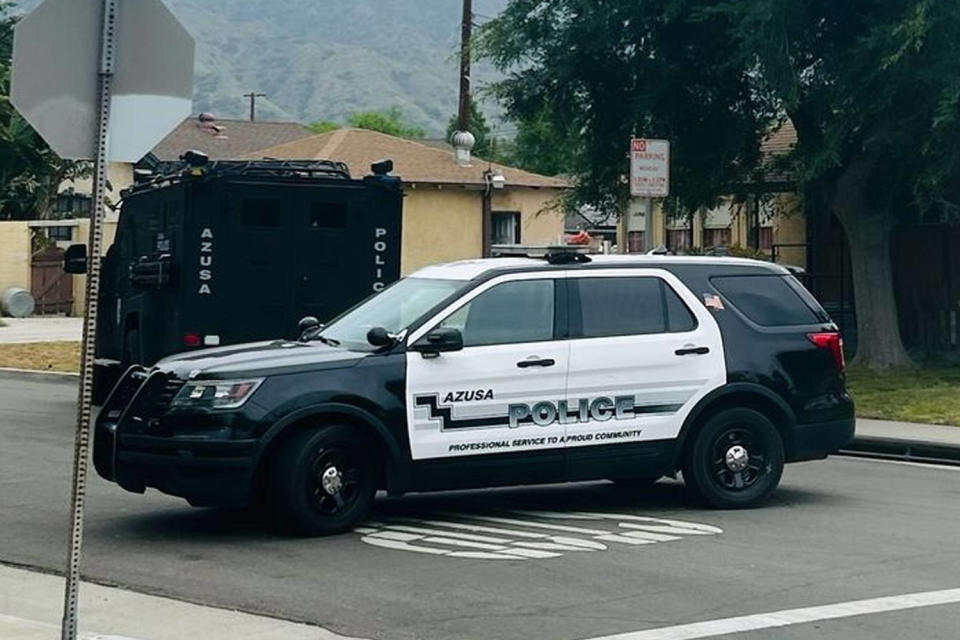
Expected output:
{"points": [[629, 306], [768, 300], [509, 313]]}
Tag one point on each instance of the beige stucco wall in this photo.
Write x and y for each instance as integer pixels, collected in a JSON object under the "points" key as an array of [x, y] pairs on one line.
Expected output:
{"points": [[80, 236], [444, 224], [14, 255], [790, 227]]}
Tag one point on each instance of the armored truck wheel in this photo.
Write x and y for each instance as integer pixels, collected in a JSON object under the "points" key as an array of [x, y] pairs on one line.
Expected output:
{"points": [[323, 480], [736, 459]]}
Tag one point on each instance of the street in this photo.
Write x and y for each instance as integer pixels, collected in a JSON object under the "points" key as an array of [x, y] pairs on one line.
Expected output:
{"points": [[575, 561]]}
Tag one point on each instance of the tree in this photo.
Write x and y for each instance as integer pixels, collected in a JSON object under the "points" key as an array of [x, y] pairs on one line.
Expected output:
{"points": [[323, 126], [391, 122], [862, 83], [30, 173], [477, 125]]}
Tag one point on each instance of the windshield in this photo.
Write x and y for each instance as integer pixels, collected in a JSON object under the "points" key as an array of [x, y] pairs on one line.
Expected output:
{"points": [[394, 309]]}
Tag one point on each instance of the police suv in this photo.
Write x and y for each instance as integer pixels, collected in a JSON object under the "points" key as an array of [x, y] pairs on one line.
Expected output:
{"points": [[499, 371]]}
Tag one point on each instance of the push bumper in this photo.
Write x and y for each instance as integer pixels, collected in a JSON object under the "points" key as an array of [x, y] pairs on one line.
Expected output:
{"points": [[816, 440], [206, 473]]}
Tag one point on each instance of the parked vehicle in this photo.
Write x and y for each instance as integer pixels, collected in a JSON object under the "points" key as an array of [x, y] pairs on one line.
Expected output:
{"points": [[229, 252], [502, 371]]}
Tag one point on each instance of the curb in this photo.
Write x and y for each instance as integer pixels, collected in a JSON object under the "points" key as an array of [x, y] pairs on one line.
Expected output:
{"points": [[41, 376], [899, 449]]}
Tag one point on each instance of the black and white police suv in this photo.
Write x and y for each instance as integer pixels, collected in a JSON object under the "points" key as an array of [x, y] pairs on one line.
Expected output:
{"points": [[499, 371]]}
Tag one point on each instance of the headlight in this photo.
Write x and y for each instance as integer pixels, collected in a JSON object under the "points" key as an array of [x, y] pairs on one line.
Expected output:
{"points": [[216, 394]]}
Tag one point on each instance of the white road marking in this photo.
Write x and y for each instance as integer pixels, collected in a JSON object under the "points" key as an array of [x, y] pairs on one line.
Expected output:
{"points": [[788, 617], [462, 536]]}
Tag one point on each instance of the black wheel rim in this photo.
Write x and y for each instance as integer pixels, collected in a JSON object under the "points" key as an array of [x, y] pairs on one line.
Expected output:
{"points": [[739, 459], [334, 481]]}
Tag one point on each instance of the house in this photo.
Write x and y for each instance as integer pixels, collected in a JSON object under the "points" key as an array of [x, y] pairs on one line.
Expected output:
{"points": [[766, 217], [444, 200]]}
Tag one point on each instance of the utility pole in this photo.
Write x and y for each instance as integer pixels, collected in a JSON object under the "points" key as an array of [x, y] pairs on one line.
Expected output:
{"points": [[253, 95], [466, 28]]}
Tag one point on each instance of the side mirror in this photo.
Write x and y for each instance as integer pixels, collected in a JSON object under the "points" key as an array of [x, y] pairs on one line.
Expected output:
{"points": [[308, 324], [75, 259], [439, 341], [380, 337]]}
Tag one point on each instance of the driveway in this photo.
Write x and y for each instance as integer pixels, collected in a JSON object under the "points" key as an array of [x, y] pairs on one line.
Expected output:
{"points": [[41, 329]]}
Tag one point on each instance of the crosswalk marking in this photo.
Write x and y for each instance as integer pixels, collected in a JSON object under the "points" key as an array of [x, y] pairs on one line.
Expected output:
{"points": [[523, 534]]}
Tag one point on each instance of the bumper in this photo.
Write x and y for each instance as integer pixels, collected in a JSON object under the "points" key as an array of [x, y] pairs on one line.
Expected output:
{"points": [[206, 473], [819, 439]]}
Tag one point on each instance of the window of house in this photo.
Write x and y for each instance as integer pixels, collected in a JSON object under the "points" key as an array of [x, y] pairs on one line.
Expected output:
{"points": [[678, 239], [635, 241], [512, 312], [716, 237], [629, 306], [505, 227], [766, 238], [60, 234]]}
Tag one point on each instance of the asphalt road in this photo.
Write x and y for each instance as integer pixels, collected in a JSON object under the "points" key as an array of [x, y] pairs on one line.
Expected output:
{"points": [[564, 562]]}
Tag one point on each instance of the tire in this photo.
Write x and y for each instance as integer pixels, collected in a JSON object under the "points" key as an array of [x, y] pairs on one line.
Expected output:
{"points": [[301, 497], [717, 470]]}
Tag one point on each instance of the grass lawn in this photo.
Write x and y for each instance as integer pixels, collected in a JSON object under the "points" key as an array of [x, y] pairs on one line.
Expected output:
{"points": [[930, 394], [42, 356]]}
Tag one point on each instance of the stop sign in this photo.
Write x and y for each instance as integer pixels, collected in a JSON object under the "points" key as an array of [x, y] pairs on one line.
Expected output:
{"points": [[56, 58]]}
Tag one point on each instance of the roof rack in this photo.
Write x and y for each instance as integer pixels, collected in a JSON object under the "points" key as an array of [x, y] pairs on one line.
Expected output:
{"points": [[554, 254], [192, 167]]}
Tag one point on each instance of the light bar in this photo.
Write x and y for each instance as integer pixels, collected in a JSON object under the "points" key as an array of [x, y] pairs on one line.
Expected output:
{"points": [[536, 251]]}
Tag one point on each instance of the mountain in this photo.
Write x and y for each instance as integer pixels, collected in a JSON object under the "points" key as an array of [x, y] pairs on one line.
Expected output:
{"points": [[324, 59]]}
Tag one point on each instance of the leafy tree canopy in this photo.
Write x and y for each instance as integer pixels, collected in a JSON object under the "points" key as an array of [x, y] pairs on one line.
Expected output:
{"points": [[323, 126], [391, 121], [872, 87]]}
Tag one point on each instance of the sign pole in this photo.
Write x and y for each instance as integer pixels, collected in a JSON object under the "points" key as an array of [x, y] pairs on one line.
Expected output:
{"points": [[81, 456], [648, 225]]}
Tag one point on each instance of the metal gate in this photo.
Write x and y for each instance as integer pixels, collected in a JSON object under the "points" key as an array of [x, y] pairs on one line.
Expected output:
{"points": [[50, 285]]}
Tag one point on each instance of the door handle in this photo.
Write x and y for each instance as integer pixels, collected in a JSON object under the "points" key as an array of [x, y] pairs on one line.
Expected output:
{"points": [[687, 351], [546, 362]]}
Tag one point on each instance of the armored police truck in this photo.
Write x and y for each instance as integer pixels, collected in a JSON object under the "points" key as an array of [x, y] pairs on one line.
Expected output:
{"points": [[229, 252]]}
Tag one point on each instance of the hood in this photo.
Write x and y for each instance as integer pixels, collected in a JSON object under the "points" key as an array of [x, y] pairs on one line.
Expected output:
{"points": [[258, 359]]}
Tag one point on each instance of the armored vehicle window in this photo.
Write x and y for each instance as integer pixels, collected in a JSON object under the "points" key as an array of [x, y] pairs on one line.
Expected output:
{"points": [[328, 215], [629, 306], [520, 311], [767, 300], [260, 212]]}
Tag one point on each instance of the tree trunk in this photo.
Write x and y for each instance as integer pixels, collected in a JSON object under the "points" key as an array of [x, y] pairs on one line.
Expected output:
{"points": [[879, 344]]}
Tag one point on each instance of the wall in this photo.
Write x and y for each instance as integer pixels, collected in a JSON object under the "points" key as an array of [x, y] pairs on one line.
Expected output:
{"points": [[80, 236], [790, 227], [444, 224], [14, 255]]}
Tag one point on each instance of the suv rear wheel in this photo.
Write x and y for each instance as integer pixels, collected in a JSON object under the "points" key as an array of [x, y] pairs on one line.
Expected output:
{"points": [[736, 459], [323, 480]]}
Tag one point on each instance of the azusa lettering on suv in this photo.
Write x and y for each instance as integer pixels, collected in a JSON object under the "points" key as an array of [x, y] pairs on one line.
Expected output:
{"points": [[496, 372]]}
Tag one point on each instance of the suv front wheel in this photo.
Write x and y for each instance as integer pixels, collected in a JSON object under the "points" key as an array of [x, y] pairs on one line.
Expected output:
{"points": [[735, 460], [324, 480]]}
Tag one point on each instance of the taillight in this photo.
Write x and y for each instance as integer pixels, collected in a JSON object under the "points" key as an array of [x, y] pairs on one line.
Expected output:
{"points": [[833, 342], [192, 340]]}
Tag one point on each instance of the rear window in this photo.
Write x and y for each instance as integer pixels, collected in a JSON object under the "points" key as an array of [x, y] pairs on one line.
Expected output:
{"points": [[767, 300]]}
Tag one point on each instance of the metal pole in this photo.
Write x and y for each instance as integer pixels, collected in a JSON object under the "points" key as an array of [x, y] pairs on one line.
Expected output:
{"points": [[648, 226], [486, 221], [84, 400], [466, 27]]}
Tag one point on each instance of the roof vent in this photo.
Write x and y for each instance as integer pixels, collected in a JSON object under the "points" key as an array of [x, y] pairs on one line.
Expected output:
{"points": [[463, 143], [208, 123]]}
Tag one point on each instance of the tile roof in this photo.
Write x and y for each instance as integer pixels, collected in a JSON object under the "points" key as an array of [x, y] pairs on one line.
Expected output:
{"points": [[236, 138], [413, 161]]}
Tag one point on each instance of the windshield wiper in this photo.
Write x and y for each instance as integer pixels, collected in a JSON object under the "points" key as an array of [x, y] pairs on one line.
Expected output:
{"points": [[333, 342]]}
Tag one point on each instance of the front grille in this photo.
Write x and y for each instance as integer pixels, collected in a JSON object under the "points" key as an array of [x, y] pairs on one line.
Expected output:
{"points": [[171, 387]]}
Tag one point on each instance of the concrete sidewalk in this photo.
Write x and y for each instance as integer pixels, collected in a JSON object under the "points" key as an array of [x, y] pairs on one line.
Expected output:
{"points": [[31, 608], [907, 439], [41, 329]]}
